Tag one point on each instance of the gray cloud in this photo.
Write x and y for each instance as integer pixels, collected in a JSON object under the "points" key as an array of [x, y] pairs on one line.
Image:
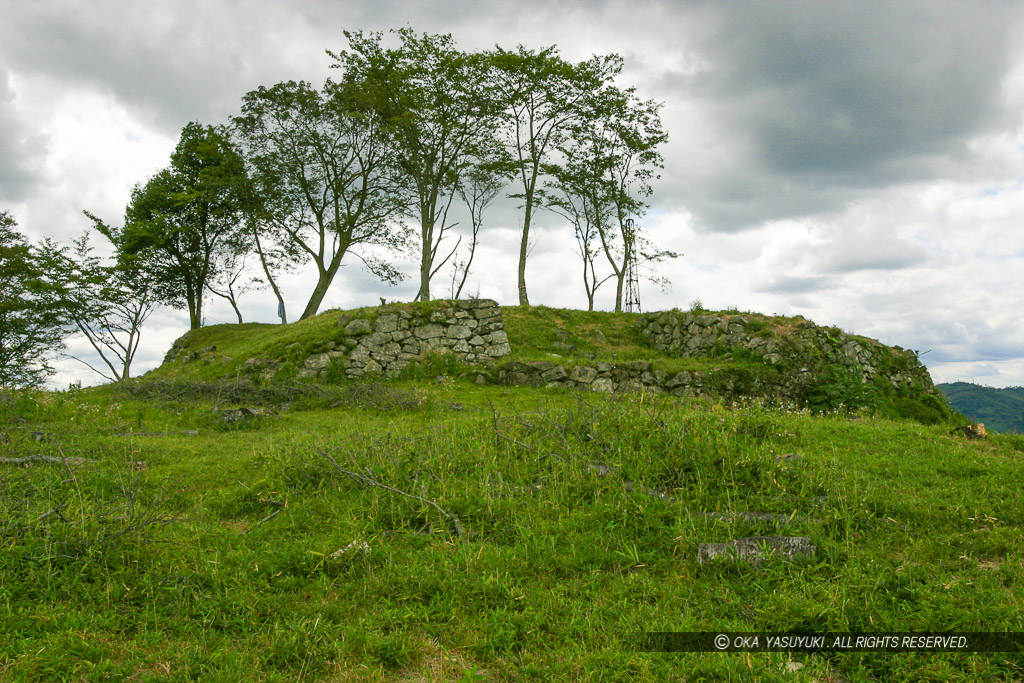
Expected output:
{"points": [[785, 284], [834, 99], [21, 150]]}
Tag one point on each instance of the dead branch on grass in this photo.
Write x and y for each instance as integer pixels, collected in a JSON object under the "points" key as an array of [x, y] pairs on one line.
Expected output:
{"points": [[372, 482]]}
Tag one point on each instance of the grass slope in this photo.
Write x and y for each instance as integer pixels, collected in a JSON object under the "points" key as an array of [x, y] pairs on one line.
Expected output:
{"points": [[176, 545], [539, 333], [1001, 410]]}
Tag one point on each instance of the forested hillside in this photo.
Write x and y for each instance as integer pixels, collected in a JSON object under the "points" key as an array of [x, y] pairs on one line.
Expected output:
{"points": [[1001, 410]]}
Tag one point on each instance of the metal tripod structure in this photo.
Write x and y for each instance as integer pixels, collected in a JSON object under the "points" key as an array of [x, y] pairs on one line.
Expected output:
{"points": [[632, 294]]}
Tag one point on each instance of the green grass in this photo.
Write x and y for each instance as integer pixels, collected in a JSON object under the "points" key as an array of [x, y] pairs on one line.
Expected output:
{"points": [[190, 548]]}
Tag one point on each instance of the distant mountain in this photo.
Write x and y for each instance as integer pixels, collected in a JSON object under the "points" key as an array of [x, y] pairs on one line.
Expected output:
{"points": [[1002, 410]]}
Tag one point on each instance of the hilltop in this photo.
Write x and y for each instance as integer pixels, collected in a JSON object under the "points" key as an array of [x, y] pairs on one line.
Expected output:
{"points": [[727, 355]]}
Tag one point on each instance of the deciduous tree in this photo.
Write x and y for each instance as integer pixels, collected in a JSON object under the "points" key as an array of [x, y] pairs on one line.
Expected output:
{"points": [[541, 97], [32, 319], [320, 161], [434, 104], [177, 224]]}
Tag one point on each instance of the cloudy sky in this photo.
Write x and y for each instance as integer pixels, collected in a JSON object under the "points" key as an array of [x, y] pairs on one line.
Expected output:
{"points": [[858, 163]]}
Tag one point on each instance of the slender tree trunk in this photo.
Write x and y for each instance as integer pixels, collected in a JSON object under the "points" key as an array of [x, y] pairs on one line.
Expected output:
{"points": [[270, 280], [524, 298], [426, 257], [323, 283]]}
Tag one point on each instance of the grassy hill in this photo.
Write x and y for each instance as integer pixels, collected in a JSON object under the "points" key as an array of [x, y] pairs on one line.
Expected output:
{"points": [[431, 528], [1001, 410], [808, 364]]}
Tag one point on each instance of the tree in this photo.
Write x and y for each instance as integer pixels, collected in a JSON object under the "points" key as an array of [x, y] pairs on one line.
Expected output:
{"points": [[321, 164], [576, 195], [32, 319], [477, 187], [178, 223], [105, 303], [609, 161], [433, 103], [541, 96]]}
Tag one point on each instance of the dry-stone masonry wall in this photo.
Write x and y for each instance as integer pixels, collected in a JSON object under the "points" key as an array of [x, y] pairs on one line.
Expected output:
{"points": [[807, 347], [471, 330], [792, 359]]}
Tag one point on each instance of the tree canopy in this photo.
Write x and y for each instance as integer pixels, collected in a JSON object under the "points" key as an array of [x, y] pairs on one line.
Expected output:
{"points": [[32, 316]]}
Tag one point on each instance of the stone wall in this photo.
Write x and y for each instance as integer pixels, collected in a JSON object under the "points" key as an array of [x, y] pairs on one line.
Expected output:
{"points": [[797, 344], [783, 360], [471, 330], [643, 376]]}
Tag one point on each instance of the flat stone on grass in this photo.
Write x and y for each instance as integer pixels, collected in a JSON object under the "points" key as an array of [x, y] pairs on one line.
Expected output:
{"points": [[756, 549]]}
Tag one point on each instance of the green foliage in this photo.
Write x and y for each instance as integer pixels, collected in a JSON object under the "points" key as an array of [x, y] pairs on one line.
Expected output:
{"points": [[32, 314], [838, 388], [1001, 410], [322, 167], [106, 303], [184, 218]]}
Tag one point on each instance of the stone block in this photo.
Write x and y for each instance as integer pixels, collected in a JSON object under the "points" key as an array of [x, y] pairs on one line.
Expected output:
{"points": [[555, 374], [756, 549], [429, 331], [358, 326], [318, 361], [603, 385], [387, 322], [583, 374], [458, 332], [498, 350]]}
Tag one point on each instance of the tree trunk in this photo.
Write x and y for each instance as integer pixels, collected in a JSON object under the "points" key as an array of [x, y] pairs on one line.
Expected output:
{"points": [[426, 261], [620, 278], [524, 298], [317, 297], [270, 279]]}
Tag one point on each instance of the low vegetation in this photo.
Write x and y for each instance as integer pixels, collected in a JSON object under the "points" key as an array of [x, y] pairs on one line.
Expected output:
{"points": [[432, 529]]}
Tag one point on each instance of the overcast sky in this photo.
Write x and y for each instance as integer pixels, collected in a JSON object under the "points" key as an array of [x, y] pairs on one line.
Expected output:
{"points": [[858, 163]]}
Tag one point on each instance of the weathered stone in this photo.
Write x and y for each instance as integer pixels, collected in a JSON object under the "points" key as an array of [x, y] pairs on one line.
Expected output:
{"points": [[555, 374], [756, 549], [358, 326], [603, 385], [583, 374], [499, 350], [386, 322], [430, 331], [564, 348], [476, 340], [458, 332], [318, 361], [376, 339]]}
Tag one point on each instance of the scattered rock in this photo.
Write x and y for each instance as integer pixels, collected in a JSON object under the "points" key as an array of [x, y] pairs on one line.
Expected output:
{"points": [[756, 549], [242, 414], [563, 347], [974, 431]]}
